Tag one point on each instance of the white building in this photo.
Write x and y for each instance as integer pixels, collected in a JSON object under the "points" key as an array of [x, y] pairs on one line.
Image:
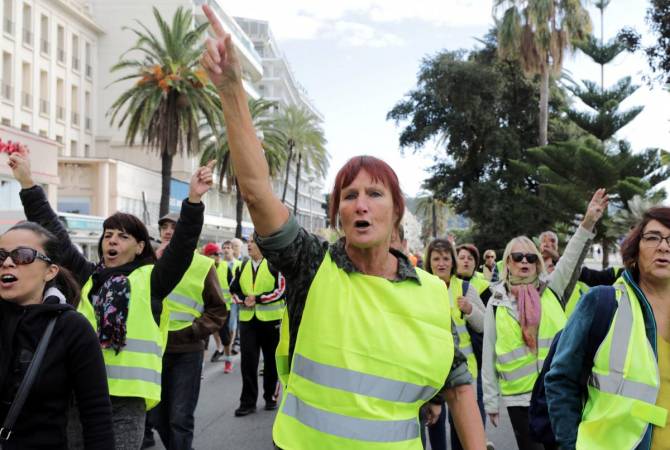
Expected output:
{"points": [[280, 84]]}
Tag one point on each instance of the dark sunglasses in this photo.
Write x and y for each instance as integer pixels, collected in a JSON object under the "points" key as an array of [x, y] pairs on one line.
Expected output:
{"points": [[23, 255], [518, 257]]}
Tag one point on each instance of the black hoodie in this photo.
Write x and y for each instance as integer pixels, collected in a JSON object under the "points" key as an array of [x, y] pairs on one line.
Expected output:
{"points": [[72, 364]]}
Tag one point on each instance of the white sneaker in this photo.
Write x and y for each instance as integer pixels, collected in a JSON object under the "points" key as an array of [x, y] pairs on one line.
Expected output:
{"points": [[490, 446]]}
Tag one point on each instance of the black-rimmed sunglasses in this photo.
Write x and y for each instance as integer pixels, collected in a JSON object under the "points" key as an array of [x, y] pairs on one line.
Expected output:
{"points": [[518, 257], [23, 255]]}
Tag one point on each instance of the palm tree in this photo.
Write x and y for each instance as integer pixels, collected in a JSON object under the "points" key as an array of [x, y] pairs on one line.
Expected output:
{"points": [[304, 138], [433, 211], [537, 33], [171, 93], [215, 146]]}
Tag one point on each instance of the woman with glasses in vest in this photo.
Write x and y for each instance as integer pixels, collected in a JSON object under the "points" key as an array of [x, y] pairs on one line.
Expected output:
{"points": [[351, 306], [34, 289], [467, 315], [618, 396], [122, 295], [522, 317]]}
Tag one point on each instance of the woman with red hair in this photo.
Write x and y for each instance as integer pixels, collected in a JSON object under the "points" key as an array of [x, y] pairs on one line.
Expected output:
{"points": [[351, 305]]}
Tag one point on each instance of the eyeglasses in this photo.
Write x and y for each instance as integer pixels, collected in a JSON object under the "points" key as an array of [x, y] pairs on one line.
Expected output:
{"points": [[654, 240], [489, 256], [23, 255], [518, 257]]}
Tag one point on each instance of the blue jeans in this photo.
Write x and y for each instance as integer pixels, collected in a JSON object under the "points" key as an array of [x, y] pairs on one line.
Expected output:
{"points": [[173, 417], [232, 317]]}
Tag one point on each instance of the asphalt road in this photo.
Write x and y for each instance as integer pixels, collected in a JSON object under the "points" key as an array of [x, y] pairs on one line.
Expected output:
{"points": [[217, 428]]}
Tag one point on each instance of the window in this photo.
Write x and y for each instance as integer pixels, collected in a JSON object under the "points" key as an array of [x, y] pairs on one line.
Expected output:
{"points": [[6, 121], [87, 150], [25, 127], [87, 55], [27, 25], [60, 100], [75, 52], [7, 88], [75, 106], [44, 133], [44, 34], [44, 93], [60, 36], [59, 139], [26, 86], [87, 111], [73, 148], [8, 15]]}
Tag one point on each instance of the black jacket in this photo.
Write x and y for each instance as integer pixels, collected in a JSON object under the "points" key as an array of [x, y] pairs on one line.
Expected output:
{"points": [[73, 364]]}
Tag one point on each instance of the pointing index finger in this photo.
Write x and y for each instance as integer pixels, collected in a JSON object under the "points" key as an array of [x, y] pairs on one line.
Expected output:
{"points": [[213, 21]]}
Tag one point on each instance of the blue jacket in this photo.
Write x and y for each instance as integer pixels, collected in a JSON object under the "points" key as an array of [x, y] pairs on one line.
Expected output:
{"points": [[564, 381]]}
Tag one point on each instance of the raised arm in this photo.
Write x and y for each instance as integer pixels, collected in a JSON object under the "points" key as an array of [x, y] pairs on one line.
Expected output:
{"points": [[222, 64], [37, 209]]}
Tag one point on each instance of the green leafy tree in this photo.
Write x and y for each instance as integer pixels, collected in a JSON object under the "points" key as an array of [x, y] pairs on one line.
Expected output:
{"points": [[537, 33], [484, 112], [215, 146], [305, 143], [171, 93]]}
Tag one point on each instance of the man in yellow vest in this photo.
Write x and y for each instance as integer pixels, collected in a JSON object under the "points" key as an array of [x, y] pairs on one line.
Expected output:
{"points": [[197, 309], [259, 290]]}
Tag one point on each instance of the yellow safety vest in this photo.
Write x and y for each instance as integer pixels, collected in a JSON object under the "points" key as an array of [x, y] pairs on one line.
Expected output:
{"points": [[624, 382], [264, 282], [581, 288], [281, 353], [222, 273], [480, 282], [518, 367], [136, 370], [464, 340], [349, 386], [185, 302]]}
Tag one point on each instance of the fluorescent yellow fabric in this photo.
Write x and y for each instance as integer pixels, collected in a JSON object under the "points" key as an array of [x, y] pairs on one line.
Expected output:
{"points": [[661, 436], [185, 302], [264, 282], [350, 387], [464, 340], [579, 290]]}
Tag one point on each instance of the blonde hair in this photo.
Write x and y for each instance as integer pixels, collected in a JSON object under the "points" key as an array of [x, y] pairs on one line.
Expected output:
{"points": [[530, 247]]}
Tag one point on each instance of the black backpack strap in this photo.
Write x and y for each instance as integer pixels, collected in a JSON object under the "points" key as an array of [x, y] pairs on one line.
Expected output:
{"points": [[27, 382]]}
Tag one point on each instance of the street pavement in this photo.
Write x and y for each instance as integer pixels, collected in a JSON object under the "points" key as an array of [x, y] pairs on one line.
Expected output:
{"points": [[217, 428]]}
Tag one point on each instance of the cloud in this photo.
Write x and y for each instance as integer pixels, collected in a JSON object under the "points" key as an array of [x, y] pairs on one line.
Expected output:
{"points": [[309, 19]]}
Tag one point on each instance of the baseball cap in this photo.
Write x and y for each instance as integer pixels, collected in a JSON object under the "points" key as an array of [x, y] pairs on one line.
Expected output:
{"points": [[211, 249], [172, 217]]}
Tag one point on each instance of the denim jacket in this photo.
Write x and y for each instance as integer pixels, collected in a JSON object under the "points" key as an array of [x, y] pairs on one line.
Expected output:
{"points": [[562, 383]]}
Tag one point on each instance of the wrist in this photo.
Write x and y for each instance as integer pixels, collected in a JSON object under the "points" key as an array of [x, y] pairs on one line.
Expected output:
{"points": [[194, 198], [232, 92], [27, 184]]}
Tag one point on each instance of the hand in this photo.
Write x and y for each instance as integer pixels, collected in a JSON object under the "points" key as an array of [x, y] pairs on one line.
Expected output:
{"points": [[220, 59], [493, 417], [19, 162], [596, 209], [250, 301], [464, 305], [433, 412], [161, 248], [201, 181]]}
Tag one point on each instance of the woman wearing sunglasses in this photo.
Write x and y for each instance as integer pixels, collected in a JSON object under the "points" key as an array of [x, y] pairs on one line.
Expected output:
{"points": [[34, 288], [522, 317], [122, 296]]}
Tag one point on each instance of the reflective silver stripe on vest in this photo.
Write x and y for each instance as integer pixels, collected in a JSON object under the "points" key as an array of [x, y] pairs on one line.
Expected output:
{"points": [[461, 329], [513, 355], [467, 351], [133, 373], [186, 301], [143, 346], [225, 291], [519, 373], [545, 342], [182, 316], [271, 307], [360, 383], [614, 383], [350, 427]]}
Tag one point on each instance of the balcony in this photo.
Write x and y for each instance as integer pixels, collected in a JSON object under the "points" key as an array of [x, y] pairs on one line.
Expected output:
{"points": [[7, 92], [88, 123], [60, 113], [75, 64], [89, 70], [28, 37], [44, 107], [44, 46], [8, 27], [75, 118], [26, 100], [61, 56]]}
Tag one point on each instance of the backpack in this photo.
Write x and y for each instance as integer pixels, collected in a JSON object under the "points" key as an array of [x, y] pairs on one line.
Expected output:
{"points": [[538, 412]]}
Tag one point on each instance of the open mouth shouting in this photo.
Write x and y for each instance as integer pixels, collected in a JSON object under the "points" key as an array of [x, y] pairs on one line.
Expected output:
{"points": [[7, 280], [362, 225]]}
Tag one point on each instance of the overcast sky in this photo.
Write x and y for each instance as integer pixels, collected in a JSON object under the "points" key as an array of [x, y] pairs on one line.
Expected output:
{"points": [[357, 58]]}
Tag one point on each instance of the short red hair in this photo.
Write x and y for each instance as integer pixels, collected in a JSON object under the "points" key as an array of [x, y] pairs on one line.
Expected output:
{"points": [[379, 171]]}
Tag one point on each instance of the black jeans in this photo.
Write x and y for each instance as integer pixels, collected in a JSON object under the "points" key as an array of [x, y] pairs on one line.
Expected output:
{"points": [[254, 337], [518, 415], [173, 417]]}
